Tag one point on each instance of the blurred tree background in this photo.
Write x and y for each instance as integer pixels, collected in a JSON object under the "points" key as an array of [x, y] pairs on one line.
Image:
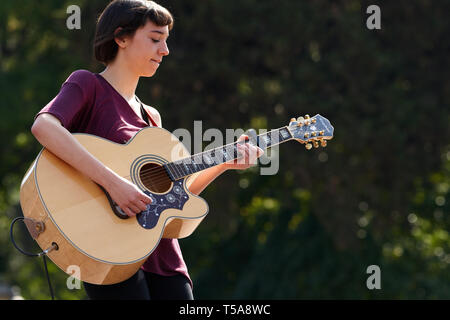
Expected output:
{"points": [[378, 194]]}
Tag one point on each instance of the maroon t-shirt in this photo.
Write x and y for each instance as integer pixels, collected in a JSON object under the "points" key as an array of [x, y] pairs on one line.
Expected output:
{"points": [[87, 103]]}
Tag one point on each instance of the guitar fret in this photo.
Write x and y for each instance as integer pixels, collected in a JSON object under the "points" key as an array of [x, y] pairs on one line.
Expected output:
{"points": [[284, 134], [173, 170], [267, 139], [208, 159], [193, 165], [203, 161], [230, 153], [263, 140], [169, 171], [188, 166], [178, 170], [197, 162], [274, 138], [235, 151], [212, 158], [226, 156], [184, 167]]}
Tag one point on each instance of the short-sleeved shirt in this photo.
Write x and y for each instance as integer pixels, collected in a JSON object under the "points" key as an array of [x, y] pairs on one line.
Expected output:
{"points": [[87, 103]]}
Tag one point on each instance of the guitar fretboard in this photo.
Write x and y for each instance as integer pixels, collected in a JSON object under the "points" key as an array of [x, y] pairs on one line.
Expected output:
{"points": [[210, 158]]}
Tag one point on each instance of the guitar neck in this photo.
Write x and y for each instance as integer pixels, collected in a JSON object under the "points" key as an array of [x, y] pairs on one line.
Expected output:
{"points": [[210, 158]]}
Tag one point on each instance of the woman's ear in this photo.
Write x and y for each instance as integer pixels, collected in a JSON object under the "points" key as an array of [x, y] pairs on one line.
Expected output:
{"points": [[120, 38]]}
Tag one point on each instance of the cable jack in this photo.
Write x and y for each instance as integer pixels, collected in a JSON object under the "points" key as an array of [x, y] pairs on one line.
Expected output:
{"points": [[43, 254]]}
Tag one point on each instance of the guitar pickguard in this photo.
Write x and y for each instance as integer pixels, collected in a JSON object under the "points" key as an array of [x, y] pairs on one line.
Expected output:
{"points": [[174, 199]]}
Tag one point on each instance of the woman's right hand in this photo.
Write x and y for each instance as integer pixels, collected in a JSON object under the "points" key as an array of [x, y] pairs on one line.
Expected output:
{"points": [[127, 196]]}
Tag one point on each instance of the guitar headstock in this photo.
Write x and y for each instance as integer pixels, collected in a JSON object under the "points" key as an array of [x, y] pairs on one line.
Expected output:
{"points": [[316, 130]]}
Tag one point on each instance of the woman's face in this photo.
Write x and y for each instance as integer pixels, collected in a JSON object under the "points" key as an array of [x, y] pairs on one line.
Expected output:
{"points": [[143, 52]]}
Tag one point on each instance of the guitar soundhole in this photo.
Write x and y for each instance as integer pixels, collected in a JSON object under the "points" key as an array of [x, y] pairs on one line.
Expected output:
{"points": [[155, 178]]}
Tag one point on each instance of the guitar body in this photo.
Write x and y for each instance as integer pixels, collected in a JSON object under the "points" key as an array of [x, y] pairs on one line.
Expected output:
{"points": [[79, 217]]}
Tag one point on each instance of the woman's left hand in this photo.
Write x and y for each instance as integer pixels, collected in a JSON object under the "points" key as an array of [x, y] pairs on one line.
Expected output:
{"points": [[249, 155]]}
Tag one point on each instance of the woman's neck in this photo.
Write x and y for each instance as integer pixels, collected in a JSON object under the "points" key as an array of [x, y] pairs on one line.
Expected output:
{"points": [[124, 81]]}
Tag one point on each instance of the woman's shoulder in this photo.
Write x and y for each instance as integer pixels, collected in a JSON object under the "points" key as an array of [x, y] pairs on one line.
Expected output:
{"points": [[82, 77], [86, 81]]}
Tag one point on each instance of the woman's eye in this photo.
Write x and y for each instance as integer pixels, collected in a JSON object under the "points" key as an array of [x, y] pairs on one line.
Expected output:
{"points": [[155, 41]]}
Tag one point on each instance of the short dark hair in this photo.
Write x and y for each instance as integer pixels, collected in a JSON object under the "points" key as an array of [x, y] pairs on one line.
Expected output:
{"points": [[128, 15]]}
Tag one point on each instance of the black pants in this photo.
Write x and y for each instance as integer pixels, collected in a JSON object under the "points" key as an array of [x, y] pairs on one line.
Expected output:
{"points": [[143, 286]]}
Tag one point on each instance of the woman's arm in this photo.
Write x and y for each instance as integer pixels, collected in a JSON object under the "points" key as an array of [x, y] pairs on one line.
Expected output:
{"points": [[49, 131], [205, 178]]}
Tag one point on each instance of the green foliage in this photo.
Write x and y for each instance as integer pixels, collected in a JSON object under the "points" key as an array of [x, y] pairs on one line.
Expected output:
{"points": [[378, 194]]}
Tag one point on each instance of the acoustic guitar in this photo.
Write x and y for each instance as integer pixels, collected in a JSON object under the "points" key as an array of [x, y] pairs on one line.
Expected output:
{"points": [[78, 223]]}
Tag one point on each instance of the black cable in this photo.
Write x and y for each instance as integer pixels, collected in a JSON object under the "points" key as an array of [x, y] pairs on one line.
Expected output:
{"points": [[14, 243], [43, 253], [48, 277]]}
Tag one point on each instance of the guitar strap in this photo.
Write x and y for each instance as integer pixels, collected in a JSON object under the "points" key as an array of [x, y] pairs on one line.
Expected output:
{"points": [[146, 115]]}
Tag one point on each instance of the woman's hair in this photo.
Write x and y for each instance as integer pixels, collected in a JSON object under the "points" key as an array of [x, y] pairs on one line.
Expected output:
{"points": [[128, 15]]}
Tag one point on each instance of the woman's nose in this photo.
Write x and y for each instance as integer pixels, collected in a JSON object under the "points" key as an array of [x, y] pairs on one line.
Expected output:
{"points": [[164, 49]]}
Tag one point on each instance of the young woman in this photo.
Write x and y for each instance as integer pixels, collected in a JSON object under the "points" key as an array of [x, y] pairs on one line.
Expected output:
{"points": [[131, 41]]}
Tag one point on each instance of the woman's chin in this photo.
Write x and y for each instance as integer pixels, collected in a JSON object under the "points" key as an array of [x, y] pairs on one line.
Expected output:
{"points": [[149, 69], [149, 73]]}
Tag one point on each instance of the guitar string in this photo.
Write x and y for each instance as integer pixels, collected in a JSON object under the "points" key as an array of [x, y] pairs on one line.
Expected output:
{"points": [[159, 174], [157, 178], [162, 175], [148, 171]]}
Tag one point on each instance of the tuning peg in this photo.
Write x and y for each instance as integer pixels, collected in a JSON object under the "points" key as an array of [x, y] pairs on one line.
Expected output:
{"points": [[313, 120], [300, 119], [308, 146], [323, 143], [306, 135], [307, 121], [316, 144], [321, 133], [313, 133], [293, 122]]}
